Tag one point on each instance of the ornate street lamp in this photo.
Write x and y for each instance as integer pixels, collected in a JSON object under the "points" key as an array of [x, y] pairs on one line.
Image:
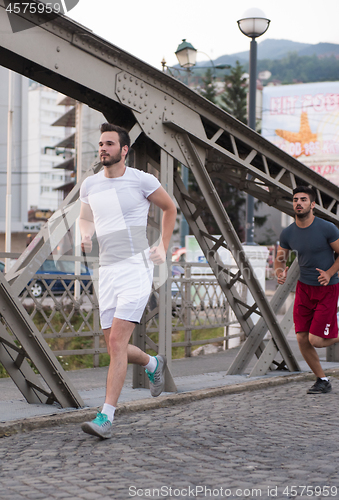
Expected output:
{"points": [[253, 24], [186, 54]]}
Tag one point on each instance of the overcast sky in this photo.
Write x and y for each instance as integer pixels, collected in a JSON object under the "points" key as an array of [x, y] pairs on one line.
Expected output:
{"points": [[151, 29]]}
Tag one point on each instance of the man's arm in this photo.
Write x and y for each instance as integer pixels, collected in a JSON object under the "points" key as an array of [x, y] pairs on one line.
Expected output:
{"points": [[87, 228], [280, 269], [162, 200], [325, 276]]}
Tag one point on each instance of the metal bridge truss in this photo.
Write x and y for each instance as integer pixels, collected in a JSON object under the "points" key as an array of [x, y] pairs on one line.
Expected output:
{"points": [[169, 124]]}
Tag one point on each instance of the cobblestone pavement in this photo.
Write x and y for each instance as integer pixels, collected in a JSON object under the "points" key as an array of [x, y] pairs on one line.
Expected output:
{"points": [[269, 443]]}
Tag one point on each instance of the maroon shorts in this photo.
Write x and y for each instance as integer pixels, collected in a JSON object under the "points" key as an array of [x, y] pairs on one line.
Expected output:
{"points": [[315, 310]]}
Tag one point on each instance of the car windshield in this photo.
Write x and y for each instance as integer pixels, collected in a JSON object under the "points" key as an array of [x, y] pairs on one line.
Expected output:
{"points": [[61, 266], [69, 267]]}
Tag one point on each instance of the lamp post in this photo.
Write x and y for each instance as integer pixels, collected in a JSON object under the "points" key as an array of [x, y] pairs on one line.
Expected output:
{"points": [[253, 24], [187, 55]]}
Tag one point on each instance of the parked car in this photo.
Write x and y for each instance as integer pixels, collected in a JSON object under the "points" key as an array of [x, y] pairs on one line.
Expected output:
{"points": [[58, 267], [2, 266]]}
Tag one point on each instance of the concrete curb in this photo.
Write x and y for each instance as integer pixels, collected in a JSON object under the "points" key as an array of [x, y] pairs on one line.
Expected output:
{"points": [[80, 415]]}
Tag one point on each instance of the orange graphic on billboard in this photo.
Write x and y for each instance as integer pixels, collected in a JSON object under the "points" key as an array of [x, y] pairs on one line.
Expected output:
{"points": [[303, 137]]}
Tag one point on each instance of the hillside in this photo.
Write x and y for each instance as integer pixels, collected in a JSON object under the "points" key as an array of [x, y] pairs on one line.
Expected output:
{"points": [[278, 49]]}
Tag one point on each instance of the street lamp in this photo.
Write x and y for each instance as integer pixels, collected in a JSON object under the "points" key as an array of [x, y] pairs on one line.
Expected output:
{"points": [[186, 54], [253, 24]]}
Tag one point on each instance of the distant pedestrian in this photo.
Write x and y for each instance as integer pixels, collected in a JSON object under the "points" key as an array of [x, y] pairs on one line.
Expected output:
{"points": [[315, 308], [115, 204]]}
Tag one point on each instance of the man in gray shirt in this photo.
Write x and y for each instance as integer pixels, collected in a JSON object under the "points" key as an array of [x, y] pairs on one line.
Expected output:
{"points": [[315, 308]]}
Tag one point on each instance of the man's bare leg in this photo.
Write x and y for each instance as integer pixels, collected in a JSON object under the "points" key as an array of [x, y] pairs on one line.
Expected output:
{"points": [[320, 342], [309, 353], [121, 352], [134, 354]]}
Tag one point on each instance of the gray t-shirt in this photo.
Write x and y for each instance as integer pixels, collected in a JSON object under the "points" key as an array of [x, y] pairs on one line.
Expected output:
{"points": [[312, 245]]}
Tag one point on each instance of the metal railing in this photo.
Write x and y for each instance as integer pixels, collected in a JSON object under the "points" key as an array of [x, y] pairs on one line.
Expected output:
{"points": [[198, 303], [61, 312]]}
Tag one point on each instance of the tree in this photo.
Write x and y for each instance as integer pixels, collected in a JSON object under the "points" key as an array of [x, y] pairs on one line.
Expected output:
{"points": [[234, 97], [208, 90]]}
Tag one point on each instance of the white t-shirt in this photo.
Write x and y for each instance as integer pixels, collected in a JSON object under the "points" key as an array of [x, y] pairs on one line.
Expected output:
{"points": [[120, 210]]}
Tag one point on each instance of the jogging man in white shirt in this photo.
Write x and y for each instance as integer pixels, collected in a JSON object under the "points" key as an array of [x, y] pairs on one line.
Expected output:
{"points": [[115, 204]]}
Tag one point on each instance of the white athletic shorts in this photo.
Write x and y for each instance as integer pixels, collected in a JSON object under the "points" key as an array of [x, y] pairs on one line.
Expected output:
{"points": [[124, 289]]}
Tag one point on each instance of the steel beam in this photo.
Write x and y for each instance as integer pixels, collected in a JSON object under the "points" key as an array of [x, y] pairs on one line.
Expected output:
{"points": [[33, 347], [156, 107], [234, 245]]}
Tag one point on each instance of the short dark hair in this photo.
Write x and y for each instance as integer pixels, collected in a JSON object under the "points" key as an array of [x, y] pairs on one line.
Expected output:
{"points": [[124, 138], [305, 189]]}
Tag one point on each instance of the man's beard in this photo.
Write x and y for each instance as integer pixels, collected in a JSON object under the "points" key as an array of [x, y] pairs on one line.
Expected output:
{"points": [[112, 160], [303, 215]]}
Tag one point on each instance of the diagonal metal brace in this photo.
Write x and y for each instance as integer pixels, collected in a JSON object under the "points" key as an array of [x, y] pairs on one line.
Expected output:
{"points": [[36, 349]]}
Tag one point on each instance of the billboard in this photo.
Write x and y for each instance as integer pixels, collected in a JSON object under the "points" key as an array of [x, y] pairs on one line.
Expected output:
{"points": [[303, 120]]}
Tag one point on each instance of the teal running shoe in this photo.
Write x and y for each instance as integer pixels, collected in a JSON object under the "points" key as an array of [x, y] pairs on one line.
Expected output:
{"points": [[157, 378], [100, 427]]}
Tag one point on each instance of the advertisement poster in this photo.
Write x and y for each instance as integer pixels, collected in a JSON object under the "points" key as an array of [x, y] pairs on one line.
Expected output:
{"points": [[303, 120]]}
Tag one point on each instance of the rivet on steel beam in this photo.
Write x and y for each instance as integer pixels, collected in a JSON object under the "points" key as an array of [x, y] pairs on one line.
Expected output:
{"points": [[172, 150], [165, 97], [140, 107], [56, 66], [151, 111], [58, 49], [129, 101], [165, 145], [155, 105], [146, 93], [145, 103], [165, 108], [131, 79], [118, 89], [130, 90], [134, 103], [142, 85]]}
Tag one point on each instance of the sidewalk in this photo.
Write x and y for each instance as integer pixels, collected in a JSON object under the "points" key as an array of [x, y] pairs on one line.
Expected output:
{"points": [[195, 378]]}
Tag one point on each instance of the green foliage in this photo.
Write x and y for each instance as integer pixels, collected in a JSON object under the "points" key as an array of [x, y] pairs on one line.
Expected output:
{"points": [[305, 69], [208, 88], [235, 93]]}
